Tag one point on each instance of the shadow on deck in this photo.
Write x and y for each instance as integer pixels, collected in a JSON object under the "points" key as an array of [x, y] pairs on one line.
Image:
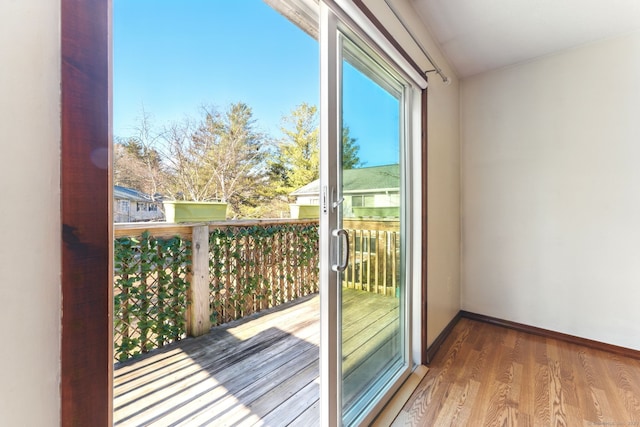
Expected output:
{"points": [[262, 369]]}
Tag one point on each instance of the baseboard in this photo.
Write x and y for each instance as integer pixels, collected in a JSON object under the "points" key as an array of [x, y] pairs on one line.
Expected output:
{"points": [[437, 343], [597, 345]]}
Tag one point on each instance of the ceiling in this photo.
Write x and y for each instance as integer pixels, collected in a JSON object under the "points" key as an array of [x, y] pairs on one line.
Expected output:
{"points": [[481, 35]]}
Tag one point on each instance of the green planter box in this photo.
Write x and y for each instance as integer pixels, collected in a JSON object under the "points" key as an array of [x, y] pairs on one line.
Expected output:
{"points": [[181, 211], [376, 212], [304, 211]]}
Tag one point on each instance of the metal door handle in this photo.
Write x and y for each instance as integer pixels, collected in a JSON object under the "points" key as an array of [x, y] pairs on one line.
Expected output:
{"points": [[345, 249]]}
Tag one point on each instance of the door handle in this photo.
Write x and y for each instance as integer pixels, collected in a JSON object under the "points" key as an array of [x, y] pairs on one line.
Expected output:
{"points": [[345, 249], [338, 202]]}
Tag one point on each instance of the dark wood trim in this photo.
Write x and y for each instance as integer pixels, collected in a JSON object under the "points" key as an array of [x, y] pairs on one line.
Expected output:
{"points": [[546, 333], [376, 22], [437, 343], [424, 146], [86, 345]]}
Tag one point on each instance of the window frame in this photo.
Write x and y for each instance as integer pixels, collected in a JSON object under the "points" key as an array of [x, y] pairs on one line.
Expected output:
{"points": [[86, 204], [86, 383]]}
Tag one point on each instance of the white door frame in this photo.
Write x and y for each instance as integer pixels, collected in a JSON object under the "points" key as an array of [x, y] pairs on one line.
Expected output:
{"points": [[331, 18]]}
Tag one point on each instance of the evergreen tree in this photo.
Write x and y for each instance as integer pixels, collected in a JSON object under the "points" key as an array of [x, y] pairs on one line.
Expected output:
{"points": [[350, 149], [299, 150], [297, 160]]}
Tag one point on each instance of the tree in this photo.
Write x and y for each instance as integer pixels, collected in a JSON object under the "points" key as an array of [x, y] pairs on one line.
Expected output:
{"points": [[128, 169], [297, 160], [219, 158], [298, 155], [137, 161], [144, 146], [223, 157], [186, 177], [350, 150]]}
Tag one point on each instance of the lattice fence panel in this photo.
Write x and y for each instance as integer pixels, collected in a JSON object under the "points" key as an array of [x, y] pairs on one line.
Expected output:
{"points": [[150, 293], [260, 266]]}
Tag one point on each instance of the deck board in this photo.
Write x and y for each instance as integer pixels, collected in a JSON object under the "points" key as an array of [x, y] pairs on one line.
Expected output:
{"points": [[260, 370]]}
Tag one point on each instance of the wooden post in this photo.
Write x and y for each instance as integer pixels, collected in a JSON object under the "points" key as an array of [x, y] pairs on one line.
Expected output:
{"points": [[199, 321], [368, 260], [385, 251], [352, 256], [394, 262], [361, 265], [377, 261]]}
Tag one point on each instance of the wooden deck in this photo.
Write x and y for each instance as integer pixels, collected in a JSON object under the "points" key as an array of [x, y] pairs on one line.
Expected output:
{"points": [[261, 370]]}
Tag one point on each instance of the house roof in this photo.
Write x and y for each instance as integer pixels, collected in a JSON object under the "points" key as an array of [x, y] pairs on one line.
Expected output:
{"points": [[362, 180], [125, 193]]}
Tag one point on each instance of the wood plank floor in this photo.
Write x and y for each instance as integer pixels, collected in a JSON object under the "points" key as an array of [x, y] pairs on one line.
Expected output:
{"points": [[487, 375], [262, 370]]}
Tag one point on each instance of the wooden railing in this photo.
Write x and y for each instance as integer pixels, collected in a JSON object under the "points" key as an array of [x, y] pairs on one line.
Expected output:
{"points": [[374, 255], [174, 280]]}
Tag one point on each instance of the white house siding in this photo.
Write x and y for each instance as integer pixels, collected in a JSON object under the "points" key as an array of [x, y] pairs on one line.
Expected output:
{"points": [[133, 211], [131, 205]]}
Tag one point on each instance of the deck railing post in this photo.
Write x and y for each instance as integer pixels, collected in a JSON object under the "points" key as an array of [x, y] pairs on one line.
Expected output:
{"points": [[199, 321]]}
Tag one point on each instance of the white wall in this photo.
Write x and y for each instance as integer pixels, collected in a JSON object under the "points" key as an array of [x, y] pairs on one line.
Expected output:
{"points": [[30, 213], [551, 192], [443, 251]]}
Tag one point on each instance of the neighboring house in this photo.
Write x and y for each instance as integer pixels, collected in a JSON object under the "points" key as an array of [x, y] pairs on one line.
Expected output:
{"points": [[368, 192], [130, 205]]}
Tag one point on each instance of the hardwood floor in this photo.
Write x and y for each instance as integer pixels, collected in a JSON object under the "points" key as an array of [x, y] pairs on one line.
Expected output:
{"points": [[487, 375]]}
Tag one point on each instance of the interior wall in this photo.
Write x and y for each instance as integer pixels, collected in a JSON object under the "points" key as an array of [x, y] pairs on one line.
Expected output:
{"points": [[30, 212], [443, 216], [550, 200]]}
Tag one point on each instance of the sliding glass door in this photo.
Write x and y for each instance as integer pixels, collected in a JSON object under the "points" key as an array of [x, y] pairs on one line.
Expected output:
{"points": [[372, 301], [364, 227]]}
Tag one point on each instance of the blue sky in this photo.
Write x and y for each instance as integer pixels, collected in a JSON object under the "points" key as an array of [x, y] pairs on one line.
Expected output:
{"points": [[172, 56]]}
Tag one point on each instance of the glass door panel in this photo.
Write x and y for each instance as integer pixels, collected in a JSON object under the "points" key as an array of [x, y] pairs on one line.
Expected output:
{"points": [[363, 226], [373, 337]]}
